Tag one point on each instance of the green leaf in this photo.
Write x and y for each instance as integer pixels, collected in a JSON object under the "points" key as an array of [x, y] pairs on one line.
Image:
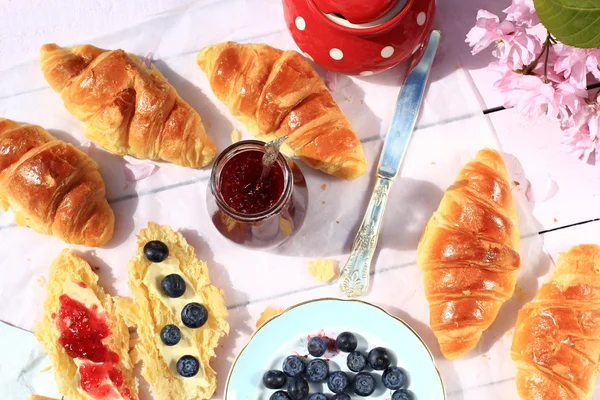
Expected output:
{"points": [[573, 22]]}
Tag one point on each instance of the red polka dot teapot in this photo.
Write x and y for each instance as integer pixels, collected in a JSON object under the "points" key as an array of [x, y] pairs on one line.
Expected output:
{"points": [[359, 37]]}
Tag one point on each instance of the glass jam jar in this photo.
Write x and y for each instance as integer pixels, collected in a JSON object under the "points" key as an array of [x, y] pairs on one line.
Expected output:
{"points": [[257, 215]]}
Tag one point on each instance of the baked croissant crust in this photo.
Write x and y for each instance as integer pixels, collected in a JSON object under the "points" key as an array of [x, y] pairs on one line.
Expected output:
{"points": [[469, 254], [107, 373], [277, 93], [51, 186], [556, 344], [151, 310], [127, 107]]}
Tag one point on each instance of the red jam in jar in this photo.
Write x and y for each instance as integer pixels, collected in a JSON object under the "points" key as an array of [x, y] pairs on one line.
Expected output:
{"points": [[82, 330], [241, 187]]}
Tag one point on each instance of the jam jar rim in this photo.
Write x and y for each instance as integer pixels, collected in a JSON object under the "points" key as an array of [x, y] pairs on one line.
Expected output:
{"points": [[367, 30], [217, 169]]}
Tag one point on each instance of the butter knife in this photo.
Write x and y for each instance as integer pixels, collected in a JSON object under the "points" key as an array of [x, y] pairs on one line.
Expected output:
{"points": [[355, 275]]}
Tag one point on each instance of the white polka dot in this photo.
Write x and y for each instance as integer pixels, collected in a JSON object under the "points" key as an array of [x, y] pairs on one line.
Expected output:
{"points": [[336, 54], [309, 56], [301, 23], [387, 52], [366, 73], [421, 18], [416, 49]]}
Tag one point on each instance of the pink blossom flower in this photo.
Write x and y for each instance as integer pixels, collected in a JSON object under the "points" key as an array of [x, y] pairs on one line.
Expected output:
{"points": [[518, 49], [487, 31], [531, 96], [522, 12], [582, 134]]}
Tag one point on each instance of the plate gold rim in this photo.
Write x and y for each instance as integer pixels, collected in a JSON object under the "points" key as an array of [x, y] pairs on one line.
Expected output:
{"points": [[335, 299]]}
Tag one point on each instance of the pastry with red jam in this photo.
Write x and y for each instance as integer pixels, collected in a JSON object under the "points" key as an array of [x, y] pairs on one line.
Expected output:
{"points": [[179, 315], [87, 341]]}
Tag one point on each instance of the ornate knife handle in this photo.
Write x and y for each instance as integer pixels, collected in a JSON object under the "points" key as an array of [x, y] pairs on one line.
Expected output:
{"points": [[354, 277]]}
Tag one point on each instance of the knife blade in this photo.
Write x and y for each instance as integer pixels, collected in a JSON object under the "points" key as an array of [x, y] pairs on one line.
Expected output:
{"points": [[355, 275]]}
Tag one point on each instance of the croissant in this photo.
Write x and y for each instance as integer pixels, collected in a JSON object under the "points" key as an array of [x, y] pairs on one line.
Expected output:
{"points": [[127, 107], [468, 254], [277, 93], [51, 186], [556, 344]]}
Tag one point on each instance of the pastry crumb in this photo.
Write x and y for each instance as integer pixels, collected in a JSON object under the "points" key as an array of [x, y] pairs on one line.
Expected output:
{"points": [[95, 268], [337, 222], [41, 281], [46, 368], [286, 226], [433, 163], [324, 186], [362, 102], [348, 99], [485, 356], [509, 332], [466, 292], [267, 314], [322, 202], [322, 269], [235, 136], [29, 259], [516, 183], [521, 295], [555, 220], [126, 186]]}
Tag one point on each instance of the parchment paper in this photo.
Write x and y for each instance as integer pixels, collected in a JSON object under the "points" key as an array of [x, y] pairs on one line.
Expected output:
{"points": [[451, 129]]}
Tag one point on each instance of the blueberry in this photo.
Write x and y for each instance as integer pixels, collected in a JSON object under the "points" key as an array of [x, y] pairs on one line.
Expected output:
{"points": [[379, 358], [356, 361], [338, 382], [280, 395], [317, 396], [363, 384], [297, 388], [294, 366], [346, 342], [187, 366], [341, 396], [274, 379], [317, 370], [170, 335], [393, 378], [403, 394], [156, 251], [173, 285], [194, 315], [317, 346]]}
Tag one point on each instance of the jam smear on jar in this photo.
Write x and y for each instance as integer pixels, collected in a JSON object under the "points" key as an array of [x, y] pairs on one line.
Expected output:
{"points": [[240, 186], [82, 330]]}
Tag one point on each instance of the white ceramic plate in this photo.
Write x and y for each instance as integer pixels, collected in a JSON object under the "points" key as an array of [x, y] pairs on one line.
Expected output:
{"points": [[287, 334]]}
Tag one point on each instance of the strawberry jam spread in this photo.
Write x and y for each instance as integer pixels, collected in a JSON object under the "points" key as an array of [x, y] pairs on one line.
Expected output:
{"points": [[240, 186], [82, 330]]}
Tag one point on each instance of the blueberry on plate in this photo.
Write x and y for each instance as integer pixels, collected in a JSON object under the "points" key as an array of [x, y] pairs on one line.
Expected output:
{"points": [[194, 315], [280, 395], [317, 396], [317, 346], [317, 370], [338, 382], [297, 388], [356, 361], [274, 379], [188, 366], [170, 335], [379, 358], [346, 342], [156, 251], [363, 384], [393, 378], [341, 396], [403, 394], [294, 366], [173, 285]]}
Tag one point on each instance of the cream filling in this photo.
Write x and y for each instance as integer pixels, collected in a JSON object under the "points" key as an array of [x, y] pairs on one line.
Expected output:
{"points": [[88, 298], [171, 354]]}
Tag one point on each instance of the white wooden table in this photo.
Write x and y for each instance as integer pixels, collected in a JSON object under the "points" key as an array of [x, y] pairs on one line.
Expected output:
{"points": [[571, 217]]}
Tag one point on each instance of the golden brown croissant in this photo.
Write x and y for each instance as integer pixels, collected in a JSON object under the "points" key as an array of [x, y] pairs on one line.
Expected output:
{"points": [[127, 108], [556, 345], [84, 335], [277, 93], [51, 186], [468, 254]]}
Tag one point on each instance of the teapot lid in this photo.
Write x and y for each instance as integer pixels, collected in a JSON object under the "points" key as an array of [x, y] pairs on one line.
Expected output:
{"points": [[357, 11]]}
